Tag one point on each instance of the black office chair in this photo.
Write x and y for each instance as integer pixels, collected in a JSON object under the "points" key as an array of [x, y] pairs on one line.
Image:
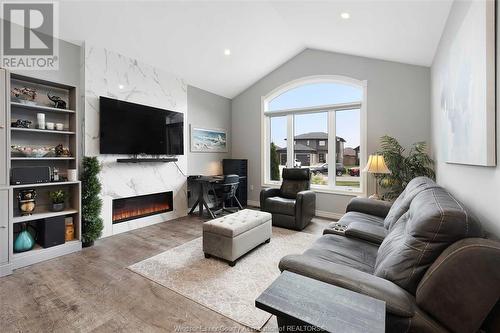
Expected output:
{"points": [[225, 191]]}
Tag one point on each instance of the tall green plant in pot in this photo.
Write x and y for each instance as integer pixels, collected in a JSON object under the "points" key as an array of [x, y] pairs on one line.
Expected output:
{"points": [[91, 202], [404, 165]]}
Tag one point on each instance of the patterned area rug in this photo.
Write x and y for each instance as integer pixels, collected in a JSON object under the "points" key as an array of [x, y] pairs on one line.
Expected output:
{"points": [[230, 291]]}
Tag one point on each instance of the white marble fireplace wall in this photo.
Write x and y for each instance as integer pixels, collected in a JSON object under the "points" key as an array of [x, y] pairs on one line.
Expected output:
{"points": [[116, 76]]}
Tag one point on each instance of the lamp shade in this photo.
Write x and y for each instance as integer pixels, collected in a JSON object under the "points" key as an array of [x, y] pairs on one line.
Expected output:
{"points": [[376, 164]]}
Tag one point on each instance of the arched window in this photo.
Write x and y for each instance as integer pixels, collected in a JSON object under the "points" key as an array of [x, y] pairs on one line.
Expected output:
{"points": [[316, 123]]}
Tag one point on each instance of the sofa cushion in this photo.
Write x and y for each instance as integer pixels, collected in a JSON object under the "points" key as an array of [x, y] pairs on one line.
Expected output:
{"points": [[402, 203], [434, 221], [279, 205], [351, 217], [351, 252], [290, 188]]}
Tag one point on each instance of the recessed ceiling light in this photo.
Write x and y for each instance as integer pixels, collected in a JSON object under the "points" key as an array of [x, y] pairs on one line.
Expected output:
{"points": [[345, 15], [227, 52], [121, 86]]}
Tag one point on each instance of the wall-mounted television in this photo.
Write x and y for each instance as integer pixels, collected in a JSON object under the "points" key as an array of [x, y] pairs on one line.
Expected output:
{"points": [[129, 128]]}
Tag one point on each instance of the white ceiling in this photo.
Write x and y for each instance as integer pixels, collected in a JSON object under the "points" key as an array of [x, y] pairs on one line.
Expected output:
{"points": [[188, 38]]}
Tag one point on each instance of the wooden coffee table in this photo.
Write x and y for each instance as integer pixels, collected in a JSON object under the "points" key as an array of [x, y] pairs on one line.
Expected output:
{"points": [[304, 304]]}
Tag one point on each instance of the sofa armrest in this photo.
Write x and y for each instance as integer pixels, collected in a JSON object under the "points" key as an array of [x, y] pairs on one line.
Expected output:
{"points": [[268, 193], [366, 231], [398, 301], [369, 206], [461, 287], [305, 208]]}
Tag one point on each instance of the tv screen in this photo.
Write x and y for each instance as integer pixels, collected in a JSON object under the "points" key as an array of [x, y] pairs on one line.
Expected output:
{"points": [[129, 128]]}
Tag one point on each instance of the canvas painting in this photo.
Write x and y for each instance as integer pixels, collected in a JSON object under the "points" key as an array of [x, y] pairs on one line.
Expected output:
{"points": [[208, 140], [468, 89]]}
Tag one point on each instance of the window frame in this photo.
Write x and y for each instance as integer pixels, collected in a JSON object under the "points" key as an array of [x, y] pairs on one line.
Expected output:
{"points": [[266, 116]]}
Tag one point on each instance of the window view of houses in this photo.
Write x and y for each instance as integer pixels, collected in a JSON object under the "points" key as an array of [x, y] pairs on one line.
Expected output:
{"points": [[311, 151], [311, 133]]}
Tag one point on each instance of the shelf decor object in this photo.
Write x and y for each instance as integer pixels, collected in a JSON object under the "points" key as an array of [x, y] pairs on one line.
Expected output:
{"points": [[58, 198], [26, 201], [24, 240]]}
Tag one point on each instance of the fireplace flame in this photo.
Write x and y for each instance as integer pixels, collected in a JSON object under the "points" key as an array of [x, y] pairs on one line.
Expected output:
{"points": [[136, 212]]}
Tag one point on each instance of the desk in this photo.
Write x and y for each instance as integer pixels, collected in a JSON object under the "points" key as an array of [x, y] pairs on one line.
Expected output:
{"points": [[204, 183], [303, 303]]}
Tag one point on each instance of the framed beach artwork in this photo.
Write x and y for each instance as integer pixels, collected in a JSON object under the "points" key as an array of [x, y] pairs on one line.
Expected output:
{"points": [[206, 140], [468, 88]]}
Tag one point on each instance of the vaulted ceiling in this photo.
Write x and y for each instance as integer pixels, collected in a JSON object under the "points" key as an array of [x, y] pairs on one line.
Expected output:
{"points": [[188, 38]]}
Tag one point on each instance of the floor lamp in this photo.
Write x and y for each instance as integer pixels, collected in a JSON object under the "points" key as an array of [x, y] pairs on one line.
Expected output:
{"points": [[376, 165]]}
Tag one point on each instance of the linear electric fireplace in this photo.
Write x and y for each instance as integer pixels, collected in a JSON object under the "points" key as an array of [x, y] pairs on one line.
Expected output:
{"points": [[125, 209]]}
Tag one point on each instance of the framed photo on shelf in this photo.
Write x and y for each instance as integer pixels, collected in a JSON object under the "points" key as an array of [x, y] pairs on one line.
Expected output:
{"points": [[207, 140]]}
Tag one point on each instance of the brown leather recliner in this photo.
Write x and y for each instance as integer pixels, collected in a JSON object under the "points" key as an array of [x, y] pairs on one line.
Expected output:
{"points": [[433, 268]]}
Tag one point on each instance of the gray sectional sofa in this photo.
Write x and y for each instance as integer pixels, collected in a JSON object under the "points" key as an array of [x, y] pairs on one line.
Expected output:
{"points": [[425, 256]]}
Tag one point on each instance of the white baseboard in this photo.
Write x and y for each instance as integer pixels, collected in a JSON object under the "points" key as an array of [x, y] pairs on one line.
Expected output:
{"points": [[319, 213], [328, 215], [253, 203]]}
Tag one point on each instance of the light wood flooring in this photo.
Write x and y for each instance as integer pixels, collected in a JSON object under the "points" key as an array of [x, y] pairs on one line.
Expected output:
{"points": [[93, 291]]}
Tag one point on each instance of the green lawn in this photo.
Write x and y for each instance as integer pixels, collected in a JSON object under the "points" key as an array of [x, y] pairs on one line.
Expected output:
{"points": [[347, 183]]}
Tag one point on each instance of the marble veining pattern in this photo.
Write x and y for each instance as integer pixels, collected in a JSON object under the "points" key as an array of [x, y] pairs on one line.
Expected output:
{"points": [[113, 75]]}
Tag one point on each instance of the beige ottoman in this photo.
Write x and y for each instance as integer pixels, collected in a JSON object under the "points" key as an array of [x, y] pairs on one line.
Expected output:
{"points": [[231, 236]]}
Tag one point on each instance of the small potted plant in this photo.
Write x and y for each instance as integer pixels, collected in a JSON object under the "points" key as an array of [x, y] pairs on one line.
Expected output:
{"points": [[58, 197]]}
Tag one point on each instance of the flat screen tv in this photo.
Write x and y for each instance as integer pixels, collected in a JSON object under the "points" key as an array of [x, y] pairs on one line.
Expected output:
{"points": [[129, 128]]}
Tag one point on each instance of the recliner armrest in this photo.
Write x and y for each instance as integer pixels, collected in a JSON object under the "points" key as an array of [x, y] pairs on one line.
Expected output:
{"points": [[366, 231], [268, 193], [305, 208], [398, 301], [306, 196], [369, 206]]}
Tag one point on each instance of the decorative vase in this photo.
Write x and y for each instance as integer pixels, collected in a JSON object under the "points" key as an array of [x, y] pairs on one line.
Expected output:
{"points": [[26, 201], [24, 241], [57, 207]]}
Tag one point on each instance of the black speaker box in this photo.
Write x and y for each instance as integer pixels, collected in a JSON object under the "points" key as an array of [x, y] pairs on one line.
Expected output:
{"points": [[51, 231], [29, 175]]}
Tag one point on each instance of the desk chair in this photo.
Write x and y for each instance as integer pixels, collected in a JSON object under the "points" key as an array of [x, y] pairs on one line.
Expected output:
{"points": [[226, 190]]}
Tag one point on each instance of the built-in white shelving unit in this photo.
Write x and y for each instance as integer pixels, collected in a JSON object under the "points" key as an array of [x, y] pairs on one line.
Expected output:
{"points": [[10, 216]]}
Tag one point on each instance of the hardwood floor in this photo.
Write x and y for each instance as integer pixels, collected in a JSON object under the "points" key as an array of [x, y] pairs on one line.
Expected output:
{"points": [[93, 291]]}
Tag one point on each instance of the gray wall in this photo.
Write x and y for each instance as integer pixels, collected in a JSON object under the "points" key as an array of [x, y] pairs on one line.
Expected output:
{"points": [[69, 66], [477, 187], [209, 111], [398, 105]]}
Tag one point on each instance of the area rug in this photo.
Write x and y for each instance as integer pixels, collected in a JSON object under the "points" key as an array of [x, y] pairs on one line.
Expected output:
{"points": [[230, 291]]}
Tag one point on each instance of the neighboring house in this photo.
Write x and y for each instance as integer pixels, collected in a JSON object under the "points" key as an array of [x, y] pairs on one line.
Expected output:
{"points": [[351, 156], [312, 148]]}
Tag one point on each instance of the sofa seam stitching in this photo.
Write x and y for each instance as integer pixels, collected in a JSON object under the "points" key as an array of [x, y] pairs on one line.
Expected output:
{"points": [[465, 248], [435, 234]]}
